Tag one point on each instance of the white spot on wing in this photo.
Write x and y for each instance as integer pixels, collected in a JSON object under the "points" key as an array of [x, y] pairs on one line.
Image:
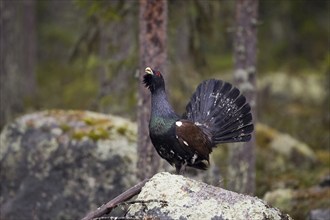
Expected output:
{"points": [[185, 142], [178, 123]]}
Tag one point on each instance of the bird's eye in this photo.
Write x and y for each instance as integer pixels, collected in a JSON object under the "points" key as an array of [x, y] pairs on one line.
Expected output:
{"points": [[157, 73]]}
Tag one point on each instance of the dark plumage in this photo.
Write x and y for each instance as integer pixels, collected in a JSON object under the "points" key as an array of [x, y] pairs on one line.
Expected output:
{"points": [[217, 113]]}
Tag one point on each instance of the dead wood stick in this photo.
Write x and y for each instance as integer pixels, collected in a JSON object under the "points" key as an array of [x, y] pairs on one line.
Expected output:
{"points": [[106, 208]]}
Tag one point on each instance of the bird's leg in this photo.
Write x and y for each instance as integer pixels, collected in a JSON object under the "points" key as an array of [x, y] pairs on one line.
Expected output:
{"points": [[180, 168]]}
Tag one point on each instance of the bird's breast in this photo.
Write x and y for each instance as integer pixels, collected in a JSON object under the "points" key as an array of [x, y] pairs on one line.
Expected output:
{"points": [[160, 126]]}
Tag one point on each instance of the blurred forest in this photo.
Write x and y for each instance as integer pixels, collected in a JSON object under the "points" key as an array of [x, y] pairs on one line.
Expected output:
{"points": [[81, 54]]}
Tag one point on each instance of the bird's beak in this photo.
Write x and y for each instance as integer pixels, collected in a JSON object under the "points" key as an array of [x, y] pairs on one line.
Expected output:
{"points": [[148, 70]]}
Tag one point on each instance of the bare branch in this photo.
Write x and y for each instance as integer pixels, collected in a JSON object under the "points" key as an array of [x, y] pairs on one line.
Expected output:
{"points": [[107, 208]]}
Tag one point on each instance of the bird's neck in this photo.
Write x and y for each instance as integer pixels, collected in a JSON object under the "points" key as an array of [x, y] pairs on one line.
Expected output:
{"points": [[160, 107]]}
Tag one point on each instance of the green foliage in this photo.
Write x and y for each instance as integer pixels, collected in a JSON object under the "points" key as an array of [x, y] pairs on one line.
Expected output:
{"points": [[65, 86], [220, 62], [104, 9], [77, 97], [54, 33], [292, 34], [288, 40]]}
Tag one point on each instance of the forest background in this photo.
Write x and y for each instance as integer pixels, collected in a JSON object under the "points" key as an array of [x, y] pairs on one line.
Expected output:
{"points": [[80, 54]]}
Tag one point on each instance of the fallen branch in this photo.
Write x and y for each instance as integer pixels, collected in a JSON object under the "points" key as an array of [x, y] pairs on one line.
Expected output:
{"points": [[106, 208]]}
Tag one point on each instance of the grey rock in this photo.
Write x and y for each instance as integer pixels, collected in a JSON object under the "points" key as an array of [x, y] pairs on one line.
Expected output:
{"points": [[286, 149], [319, 214], [62, 164], [281, 198], [191, 199], [307, 88], [312, 202]]}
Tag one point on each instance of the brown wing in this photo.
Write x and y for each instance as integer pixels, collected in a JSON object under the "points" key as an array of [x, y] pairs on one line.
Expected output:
{"points": [[193, 138]]}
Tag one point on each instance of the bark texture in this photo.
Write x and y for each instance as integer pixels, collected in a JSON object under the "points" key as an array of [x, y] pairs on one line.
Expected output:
{"points": [[241, 173], [10, 83], [152, 41], [17, 58], [30, 47]]}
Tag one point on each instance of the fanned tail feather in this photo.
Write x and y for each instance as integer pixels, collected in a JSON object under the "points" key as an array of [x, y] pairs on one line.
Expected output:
{"points": [[221, 111]]}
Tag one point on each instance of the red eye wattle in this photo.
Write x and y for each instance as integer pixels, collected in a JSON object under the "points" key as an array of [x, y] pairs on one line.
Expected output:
{"points": [[157, 73]]}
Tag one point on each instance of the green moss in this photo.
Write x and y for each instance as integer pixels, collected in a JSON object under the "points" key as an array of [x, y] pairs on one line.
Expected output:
{"points": [[90, 121], [65, 127], [98, 133], [62, 85], [94, 134], [122, 130], [78, 135], [309, 199]]}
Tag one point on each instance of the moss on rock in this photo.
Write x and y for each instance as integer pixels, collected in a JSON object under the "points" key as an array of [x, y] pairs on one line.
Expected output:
{"points": [[60, 164]]}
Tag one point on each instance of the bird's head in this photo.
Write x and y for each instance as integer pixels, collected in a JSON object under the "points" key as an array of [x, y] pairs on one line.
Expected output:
{"points": [[153, 80]]}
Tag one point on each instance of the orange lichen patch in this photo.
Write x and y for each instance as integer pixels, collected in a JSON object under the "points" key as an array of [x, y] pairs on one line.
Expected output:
{"points": [[30, 123]]}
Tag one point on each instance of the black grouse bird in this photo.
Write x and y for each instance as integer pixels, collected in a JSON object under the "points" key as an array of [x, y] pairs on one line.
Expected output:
{"points": [[217, 113]]}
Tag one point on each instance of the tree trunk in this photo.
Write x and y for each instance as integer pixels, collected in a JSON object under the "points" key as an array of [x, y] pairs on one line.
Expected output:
{"points": [[29, 48], [241, 171], [17, 58], [152, 41], [11, 58]]}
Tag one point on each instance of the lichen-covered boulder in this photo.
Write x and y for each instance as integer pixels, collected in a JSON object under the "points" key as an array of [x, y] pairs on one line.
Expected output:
{"points": [[189, 199], [301, 203], [285, 150], [319, 214], [309, 88], [61, 164]]}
